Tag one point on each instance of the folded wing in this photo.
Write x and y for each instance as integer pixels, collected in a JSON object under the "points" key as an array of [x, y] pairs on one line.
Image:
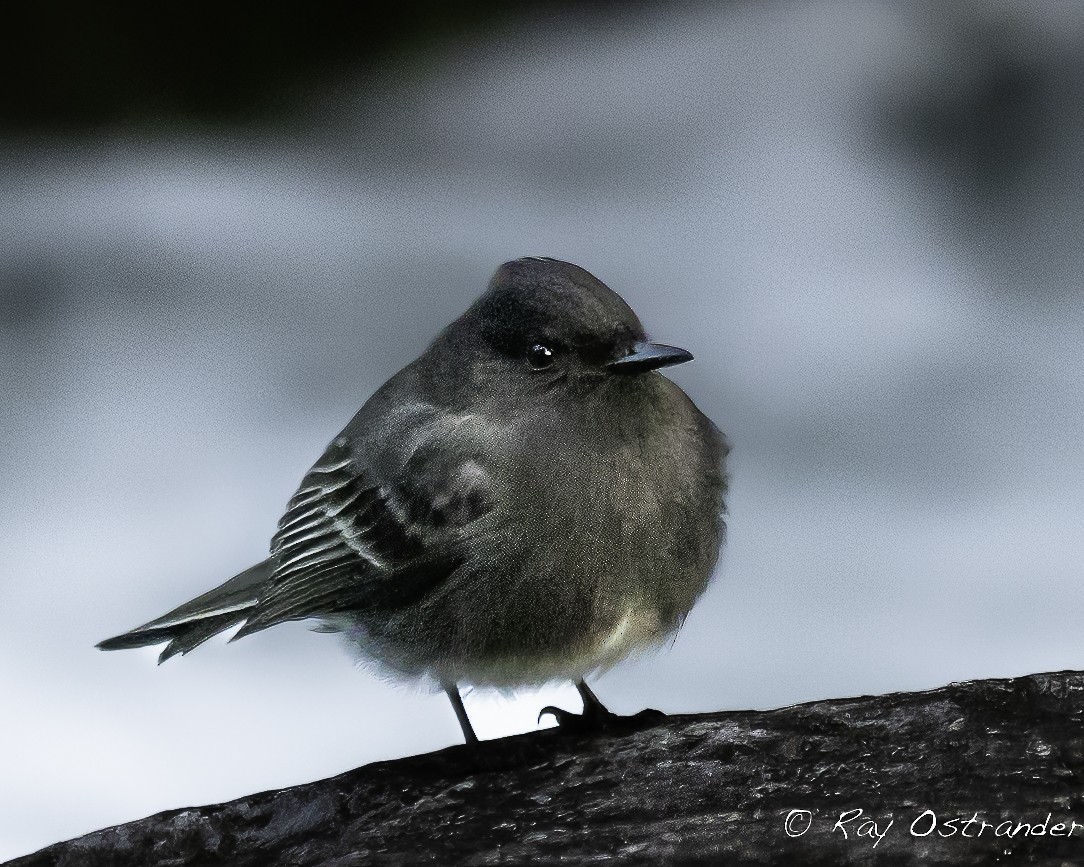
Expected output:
{"points": [[359, 534], [350, 541]]}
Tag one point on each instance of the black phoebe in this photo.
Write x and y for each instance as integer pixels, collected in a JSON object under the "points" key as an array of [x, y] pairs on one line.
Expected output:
{"points": [[527, 501]]}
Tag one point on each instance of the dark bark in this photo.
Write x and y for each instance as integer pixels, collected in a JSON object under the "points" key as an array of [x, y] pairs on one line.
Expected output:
{"points": [[705, 789]]}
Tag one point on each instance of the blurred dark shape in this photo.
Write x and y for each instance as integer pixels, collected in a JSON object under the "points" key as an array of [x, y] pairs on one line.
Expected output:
{"points": [[992, 129], [74, 66], [988, 119], [30, 293], [982, 110]]}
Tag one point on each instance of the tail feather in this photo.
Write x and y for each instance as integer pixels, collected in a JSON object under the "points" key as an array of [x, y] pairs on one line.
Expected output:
{"points": [[189, 625]]}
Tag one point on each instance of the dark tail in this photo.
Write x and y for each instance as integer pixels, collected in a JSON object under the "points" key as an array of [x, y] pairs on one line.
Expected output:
{"points": [[191, 624]]}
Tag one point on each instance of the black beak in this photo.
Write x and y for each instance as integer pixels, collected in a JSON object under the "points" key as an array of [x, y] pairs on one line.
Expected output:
{"points": [[649, 356]]}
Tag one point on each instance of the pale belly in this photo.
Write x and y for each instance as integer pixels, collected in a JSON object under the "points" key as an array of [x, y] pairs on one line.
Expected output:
{"points": [[635, 630]]}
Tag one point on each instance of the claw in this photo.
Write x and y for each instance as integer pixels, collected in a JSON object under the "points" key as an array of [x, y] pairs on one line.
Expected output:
{"points": [[575, 723], [604, 721], [595, 717], [559, 714]]}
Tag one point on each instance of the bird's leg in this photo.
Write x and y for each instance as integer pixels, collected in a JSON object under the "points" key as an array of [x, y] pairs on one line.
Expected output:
{"points": [[595, 716], [452, 691], [593, 710]]}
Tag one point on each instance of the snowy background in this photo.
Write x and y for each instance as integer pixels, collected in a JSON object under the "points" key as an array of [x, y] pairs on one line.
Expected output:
{"points": [[863, 219]]}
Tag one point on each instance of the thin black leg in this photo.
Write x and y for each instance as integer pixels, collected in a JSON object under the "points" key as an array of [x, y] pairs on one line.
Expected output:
{"points": [[591, 705], [452, 691]]}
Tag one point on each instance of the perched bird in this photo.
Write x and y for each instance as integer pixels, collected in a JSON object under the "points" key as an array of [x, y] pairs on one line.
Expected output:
{"points": [[527, 501]]}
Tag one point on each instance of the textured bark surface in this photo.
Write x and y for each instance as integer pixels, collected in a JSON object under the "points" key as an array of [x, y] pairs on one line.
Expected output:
{"points": [[706, 789]]}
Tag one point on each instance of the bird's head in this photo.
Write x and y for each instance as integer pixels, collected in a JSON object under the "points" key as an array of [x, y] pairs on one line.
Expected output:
{"points": [[549, 321]]}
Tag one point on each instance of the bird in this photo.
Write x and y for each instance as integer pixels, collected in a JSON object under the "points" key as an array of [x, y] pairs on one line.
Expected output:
{"points": [[528, 501]]}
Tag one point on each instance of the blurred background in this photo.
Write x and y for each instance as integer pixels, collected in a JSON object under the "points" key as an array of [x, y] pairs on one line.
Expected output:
{"points": [[217, 239]]}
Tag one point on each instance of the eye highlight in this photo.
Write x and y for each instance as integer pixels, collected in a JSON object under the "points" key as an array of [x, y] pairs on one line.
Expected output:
{"points": [[540, 356]]}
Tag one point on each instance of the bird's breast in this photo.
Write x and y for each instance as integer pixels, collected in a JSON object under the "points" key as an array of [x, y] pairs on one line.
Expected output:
{"points": [[608, 530], [602, 531]]}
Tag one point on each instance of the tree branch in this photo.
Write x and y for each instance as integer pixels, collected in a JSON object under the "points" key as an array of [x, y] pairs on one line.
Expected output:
{"points": [[706, 789]]}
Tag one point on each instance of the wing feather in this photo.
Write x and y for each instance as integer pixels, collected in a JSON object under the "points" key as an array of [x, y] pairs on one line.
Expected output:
{"points": [[350, 540]]}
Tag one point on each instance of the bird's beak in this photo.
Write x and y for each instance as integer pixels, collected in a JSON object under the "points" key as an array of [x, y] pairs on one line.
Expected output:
{"points": [[649, 356]]}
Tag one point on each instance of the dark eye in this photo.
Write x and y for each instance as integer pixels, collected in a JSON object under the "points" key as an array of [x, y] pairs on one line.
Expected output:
{"points": [[539, 356]]}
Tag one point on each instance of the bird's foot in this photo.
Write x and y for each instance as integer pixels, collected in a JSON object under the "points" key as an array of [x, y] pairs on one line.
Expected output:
{"points": [[595, 720]]}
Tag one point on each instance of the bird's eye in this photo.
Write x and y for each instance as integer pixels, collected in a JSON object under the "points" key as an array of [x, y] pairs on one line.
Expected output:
{"points": [[539, 356]]}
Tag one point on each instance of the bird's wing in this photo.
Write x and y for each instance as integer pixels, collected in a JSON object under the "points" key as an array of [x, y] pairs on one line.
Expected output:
{"points": [[354, 539]]}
